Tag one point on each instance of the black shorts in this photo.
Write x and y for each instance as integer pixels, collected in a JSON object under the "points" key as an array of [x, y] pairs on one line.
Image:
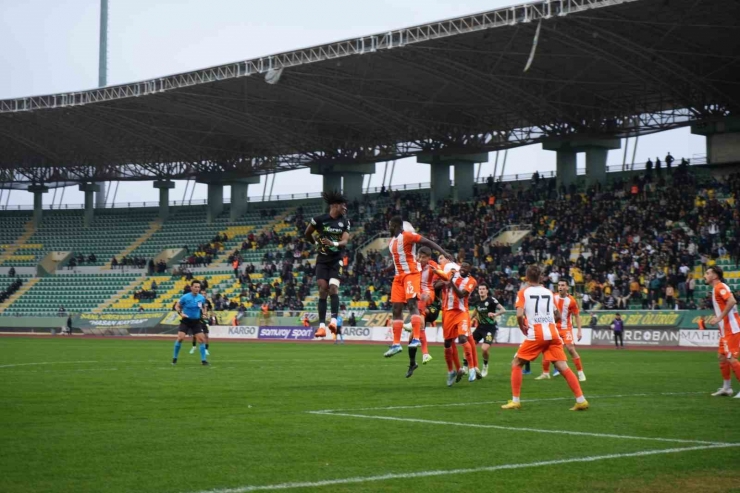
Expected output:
{"points": [[431, 316], [485, 333], [328, 269], [191, 326]]}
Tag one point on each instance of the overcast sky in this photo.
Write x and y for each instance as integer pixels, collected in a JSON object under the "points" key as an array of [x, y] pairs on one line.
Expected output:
{"points": [[49, 47]]}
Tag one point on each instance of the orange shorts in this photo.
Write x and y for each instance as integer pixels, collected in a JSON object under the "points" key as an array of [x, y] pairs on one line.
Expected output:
{"points": [[730, 345], [550, 350], [405, 287], [566, 335], [455, 323]]}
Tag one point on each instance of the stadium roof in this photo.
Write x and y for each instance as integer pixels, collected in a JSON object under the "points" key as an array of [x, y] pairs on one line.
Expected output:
{"points": [[598, 68]]}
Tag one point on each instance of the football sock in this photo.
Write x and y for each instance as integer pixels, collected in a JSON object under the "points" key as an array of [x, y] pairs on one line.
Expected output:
{"points": [[527, 366], [177, 349], [412, 356], [193, 341], [572, 380], [423, 339], [416, 323], [448, 358], [736, 368], [485, 362], [516, 382], [334, 298], [322, 310], [724, 367], [465, 361], [473, 349], [202, 348], [397, 330], [468, 355], [207, 344], [579, 365], [455, 356], [545, 366]]}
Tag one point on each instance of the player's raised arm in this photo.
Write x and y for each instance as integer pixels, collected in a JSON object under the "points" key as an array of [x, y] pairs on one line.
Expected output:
{"points": [[430, 244]]}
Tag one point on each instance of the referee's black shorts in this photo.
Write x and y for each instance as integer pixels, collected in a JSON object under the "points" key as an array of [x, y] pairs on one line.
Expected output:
{"points": [[190, 325]]}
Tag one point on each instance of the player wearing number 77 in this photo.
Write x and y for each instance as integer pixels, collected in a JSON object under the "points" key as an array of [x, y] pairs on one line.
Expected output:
{"points": [[535, 302]]}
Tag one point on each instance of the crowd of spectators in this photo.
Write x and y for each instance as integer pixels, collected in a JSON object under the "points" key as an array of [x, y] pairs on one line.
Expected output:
{"points": [[128, 261], [637, 240], [80, 260], [11, 288]]}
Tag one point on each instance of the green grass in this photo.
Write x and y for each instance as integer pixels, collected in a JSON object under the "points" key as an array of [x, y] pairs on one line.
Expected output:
{"points": [[110, 415]]}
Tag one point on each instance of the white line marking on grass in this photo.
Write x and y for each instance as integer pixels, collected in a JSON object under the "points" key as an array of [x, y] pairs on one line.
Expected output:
{"points": [[480, 403], [514, 428], [449, 472], [49, 363]]}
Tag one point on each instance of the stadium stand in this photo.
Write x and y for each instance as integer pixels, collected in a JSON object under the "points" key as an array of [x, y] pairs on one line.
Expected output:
{"points": [[621, 246]]}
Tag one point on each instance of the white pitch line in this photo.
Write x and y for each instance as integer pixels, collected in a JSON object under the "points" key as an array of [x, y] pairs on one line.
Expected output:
{"points": [[449, 472], [532, 430], [49, 363], [480, 403]]}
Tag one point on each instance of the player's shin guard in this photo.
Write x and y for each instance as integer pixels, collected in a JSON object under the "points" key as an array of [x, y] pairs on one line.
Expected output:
{"points": [[397, 330], [202, 348], [416, 325], [423, 339], [322, 310], [579, 365], [724, 367], [448, 358], [455, 357], [545, 366], [572, 380], [516, 382], [334, 298], [178, 344]]}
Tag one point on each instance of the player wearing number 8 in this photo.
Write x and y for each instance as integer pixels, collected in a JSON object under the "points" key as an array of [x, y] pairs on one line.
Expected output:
{"points": [[535, 304]]}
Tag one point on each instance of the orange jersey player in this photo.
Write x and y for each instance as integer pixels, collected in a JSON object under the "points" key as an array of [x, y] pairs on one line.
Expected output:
{"points": [[428, 276], [536, 303], [727, 318], [456, 319], [406, 289], [568, 308]]}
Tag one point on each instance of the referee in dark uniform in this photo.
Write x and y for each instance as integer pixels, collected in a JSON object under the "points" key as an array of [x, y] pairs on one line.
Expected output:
{"points": [[486, 310]]}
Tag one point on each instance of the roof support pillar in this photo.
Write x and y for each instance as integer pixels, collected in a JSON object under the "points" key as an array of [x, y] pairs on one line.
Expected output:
{"points": [[164, 187], [597, 152], [38, 192], [239, 196], [351, 174], [215, 201], [89, 189], [440, 175], [723, 140]]}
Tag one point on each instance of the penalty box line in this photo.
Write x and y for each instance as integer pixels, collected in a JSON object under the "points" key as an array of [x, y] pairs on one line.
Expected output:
{"points": [[449, 472], [482, 403], [524, 429]]}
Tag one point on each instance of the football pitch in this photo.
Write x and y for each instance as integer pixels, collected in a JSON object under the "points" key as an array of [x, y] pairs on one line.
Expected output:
{"points": [[109, 415]]}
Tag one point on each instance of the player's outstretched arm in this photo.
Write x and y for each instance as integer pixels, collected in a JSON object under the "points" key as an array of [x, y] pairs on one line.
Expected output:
{"points": [[500, 310], [429, 243], [557, 314]]}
